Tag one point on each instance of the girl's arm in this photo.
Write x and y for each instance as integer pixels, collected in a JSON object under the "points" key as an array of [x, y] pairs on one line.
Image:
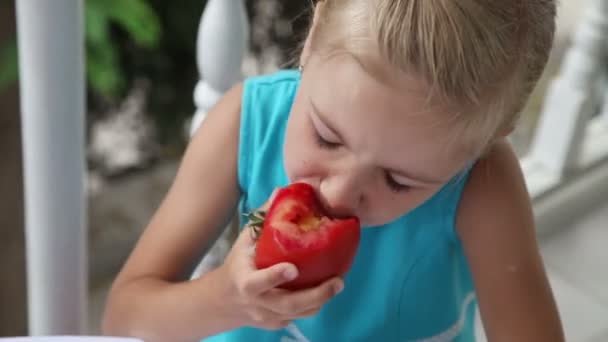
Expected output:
{"points": [[496, 226], [149, 298], [152, 297]]}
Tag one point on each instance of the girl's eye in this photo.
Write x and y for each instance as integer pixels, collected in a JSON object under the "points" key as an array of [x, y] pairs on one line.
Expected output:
{"points": [[394, 185], [323, 143]]}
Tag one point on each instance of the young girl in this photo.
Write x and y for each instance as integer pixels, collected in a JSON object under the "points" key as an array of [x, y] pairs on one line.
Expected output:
{"points": [[398, 115]]}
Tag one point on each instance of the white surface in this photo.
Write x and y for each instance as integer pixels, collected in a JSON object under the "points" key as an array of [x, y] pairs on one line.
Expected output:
{"points": [[561, 127], [569, 13], [564, 205], [69, 339], [571, 97], [577, 260], [583, 317], [51, 67], [580, 254], [595, 146], [539, 179], [221, 44]]}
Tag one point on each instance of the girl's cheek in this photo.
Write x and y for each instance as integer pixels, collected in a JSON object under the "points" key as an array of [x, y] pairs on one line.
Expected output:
{"points": [[303, 165], [302, 157]]}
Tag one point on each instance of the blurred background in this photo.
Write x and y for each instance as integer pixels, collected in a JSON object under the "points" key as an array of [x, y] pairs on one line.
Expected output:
{"points": [[141, 74]]}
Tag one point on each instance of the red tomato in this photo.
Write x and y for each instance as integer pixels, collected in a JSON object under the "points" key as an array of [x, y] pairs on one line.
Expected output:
{"points": [[296, 230]]}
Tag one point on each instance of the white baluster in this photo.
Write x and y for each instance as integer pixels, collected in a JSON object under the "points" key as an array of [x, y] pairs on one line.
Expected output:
{"points": [[51, 67], [222, 41], [570, 99]]}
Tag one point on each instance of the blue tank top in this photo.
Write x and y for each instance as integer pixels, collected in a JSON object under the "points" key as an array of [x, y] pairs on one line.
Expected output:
{"points": [[409, 281]]}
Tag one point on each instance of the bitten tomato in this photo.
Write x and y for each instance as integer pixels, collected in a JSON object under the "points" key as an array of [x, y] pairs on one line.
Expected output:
{"points": [[296, 230]]}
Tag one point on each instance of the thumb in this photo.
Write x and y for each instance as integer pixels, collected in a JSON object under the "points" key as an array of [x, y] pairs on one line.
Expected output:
{"points": [[247, 238], [245, 242], [256, 218]]}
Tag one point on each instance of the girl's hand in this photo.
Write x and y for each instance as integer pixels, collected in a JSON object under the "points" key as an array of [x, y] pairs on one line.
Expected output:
{"points": [[253, 294]]}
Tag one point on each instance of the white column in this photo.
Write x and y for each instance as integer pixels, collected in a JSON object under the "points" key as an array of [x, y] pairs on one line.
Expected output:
{"points": [[221, 44], [222, 41], [51, 66], [570, 99]]}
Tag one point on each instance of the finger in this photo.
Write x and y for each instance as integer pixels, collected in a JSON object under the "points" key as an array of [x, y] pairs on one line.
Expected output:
{"points": [[260, 281], [305, 314], [241, 258], [261, 317], [267, 319], [253, 227], [244, 242], [243, 249], [294, 303]]}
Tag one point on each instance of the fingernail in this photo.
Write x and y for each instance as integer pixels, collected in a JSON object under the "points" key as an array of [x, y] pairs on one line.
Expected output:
{"points": [[290, 273], [338, 288]]}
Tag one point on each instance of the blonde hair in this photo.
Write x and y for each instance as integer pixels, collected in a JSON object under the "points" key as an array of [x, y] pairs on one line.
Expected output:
{"points": [[484, 54]]}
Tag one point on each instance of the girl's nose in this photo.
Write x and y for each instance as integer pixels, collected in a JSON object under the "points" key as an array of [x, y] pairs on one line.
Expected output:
{"points": [[341, 195]]}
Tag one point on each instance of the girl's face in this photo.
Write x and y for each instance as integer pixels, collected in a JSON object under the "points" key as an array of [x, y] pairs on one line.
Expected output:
{"points": [[369, 149]]}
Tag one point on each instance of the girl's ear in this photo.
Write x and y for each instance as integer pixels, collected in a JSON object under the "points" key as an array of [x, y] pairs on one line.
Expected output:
{"points": [[306, 50]]}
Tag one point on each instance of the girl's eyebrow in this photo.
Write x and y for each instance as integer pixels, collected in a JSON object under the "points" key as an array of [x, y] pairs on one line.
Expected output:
{"points": [[324, 121], [418, 178]]}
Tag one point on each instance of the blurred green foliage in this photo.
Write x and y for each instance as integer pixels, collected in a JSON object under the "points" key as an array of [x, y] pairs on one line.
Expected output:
{"points": [[136, 18], [103, 69], [8, 64], [155, 41], [170, 68]]}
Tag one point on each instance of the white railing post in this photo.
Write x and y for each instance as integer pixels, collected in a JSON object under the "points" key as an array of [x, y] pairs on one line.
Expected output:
{"points": [[566, 170], [51, 67], [570, 99], [222, 41]]}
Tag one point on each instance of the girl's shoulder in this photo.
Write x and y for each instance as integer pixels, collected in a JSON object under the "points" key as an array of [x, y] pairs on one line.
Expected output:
{"points": [[495, 192], [269, 96]]}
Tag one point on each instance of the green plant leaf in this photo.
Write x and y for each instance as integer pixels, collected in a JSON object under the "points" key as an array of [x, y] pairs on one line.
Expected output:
{"points": [[96, 22], [9, 64], [103, 71], [256, 219], [138, 19]]}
